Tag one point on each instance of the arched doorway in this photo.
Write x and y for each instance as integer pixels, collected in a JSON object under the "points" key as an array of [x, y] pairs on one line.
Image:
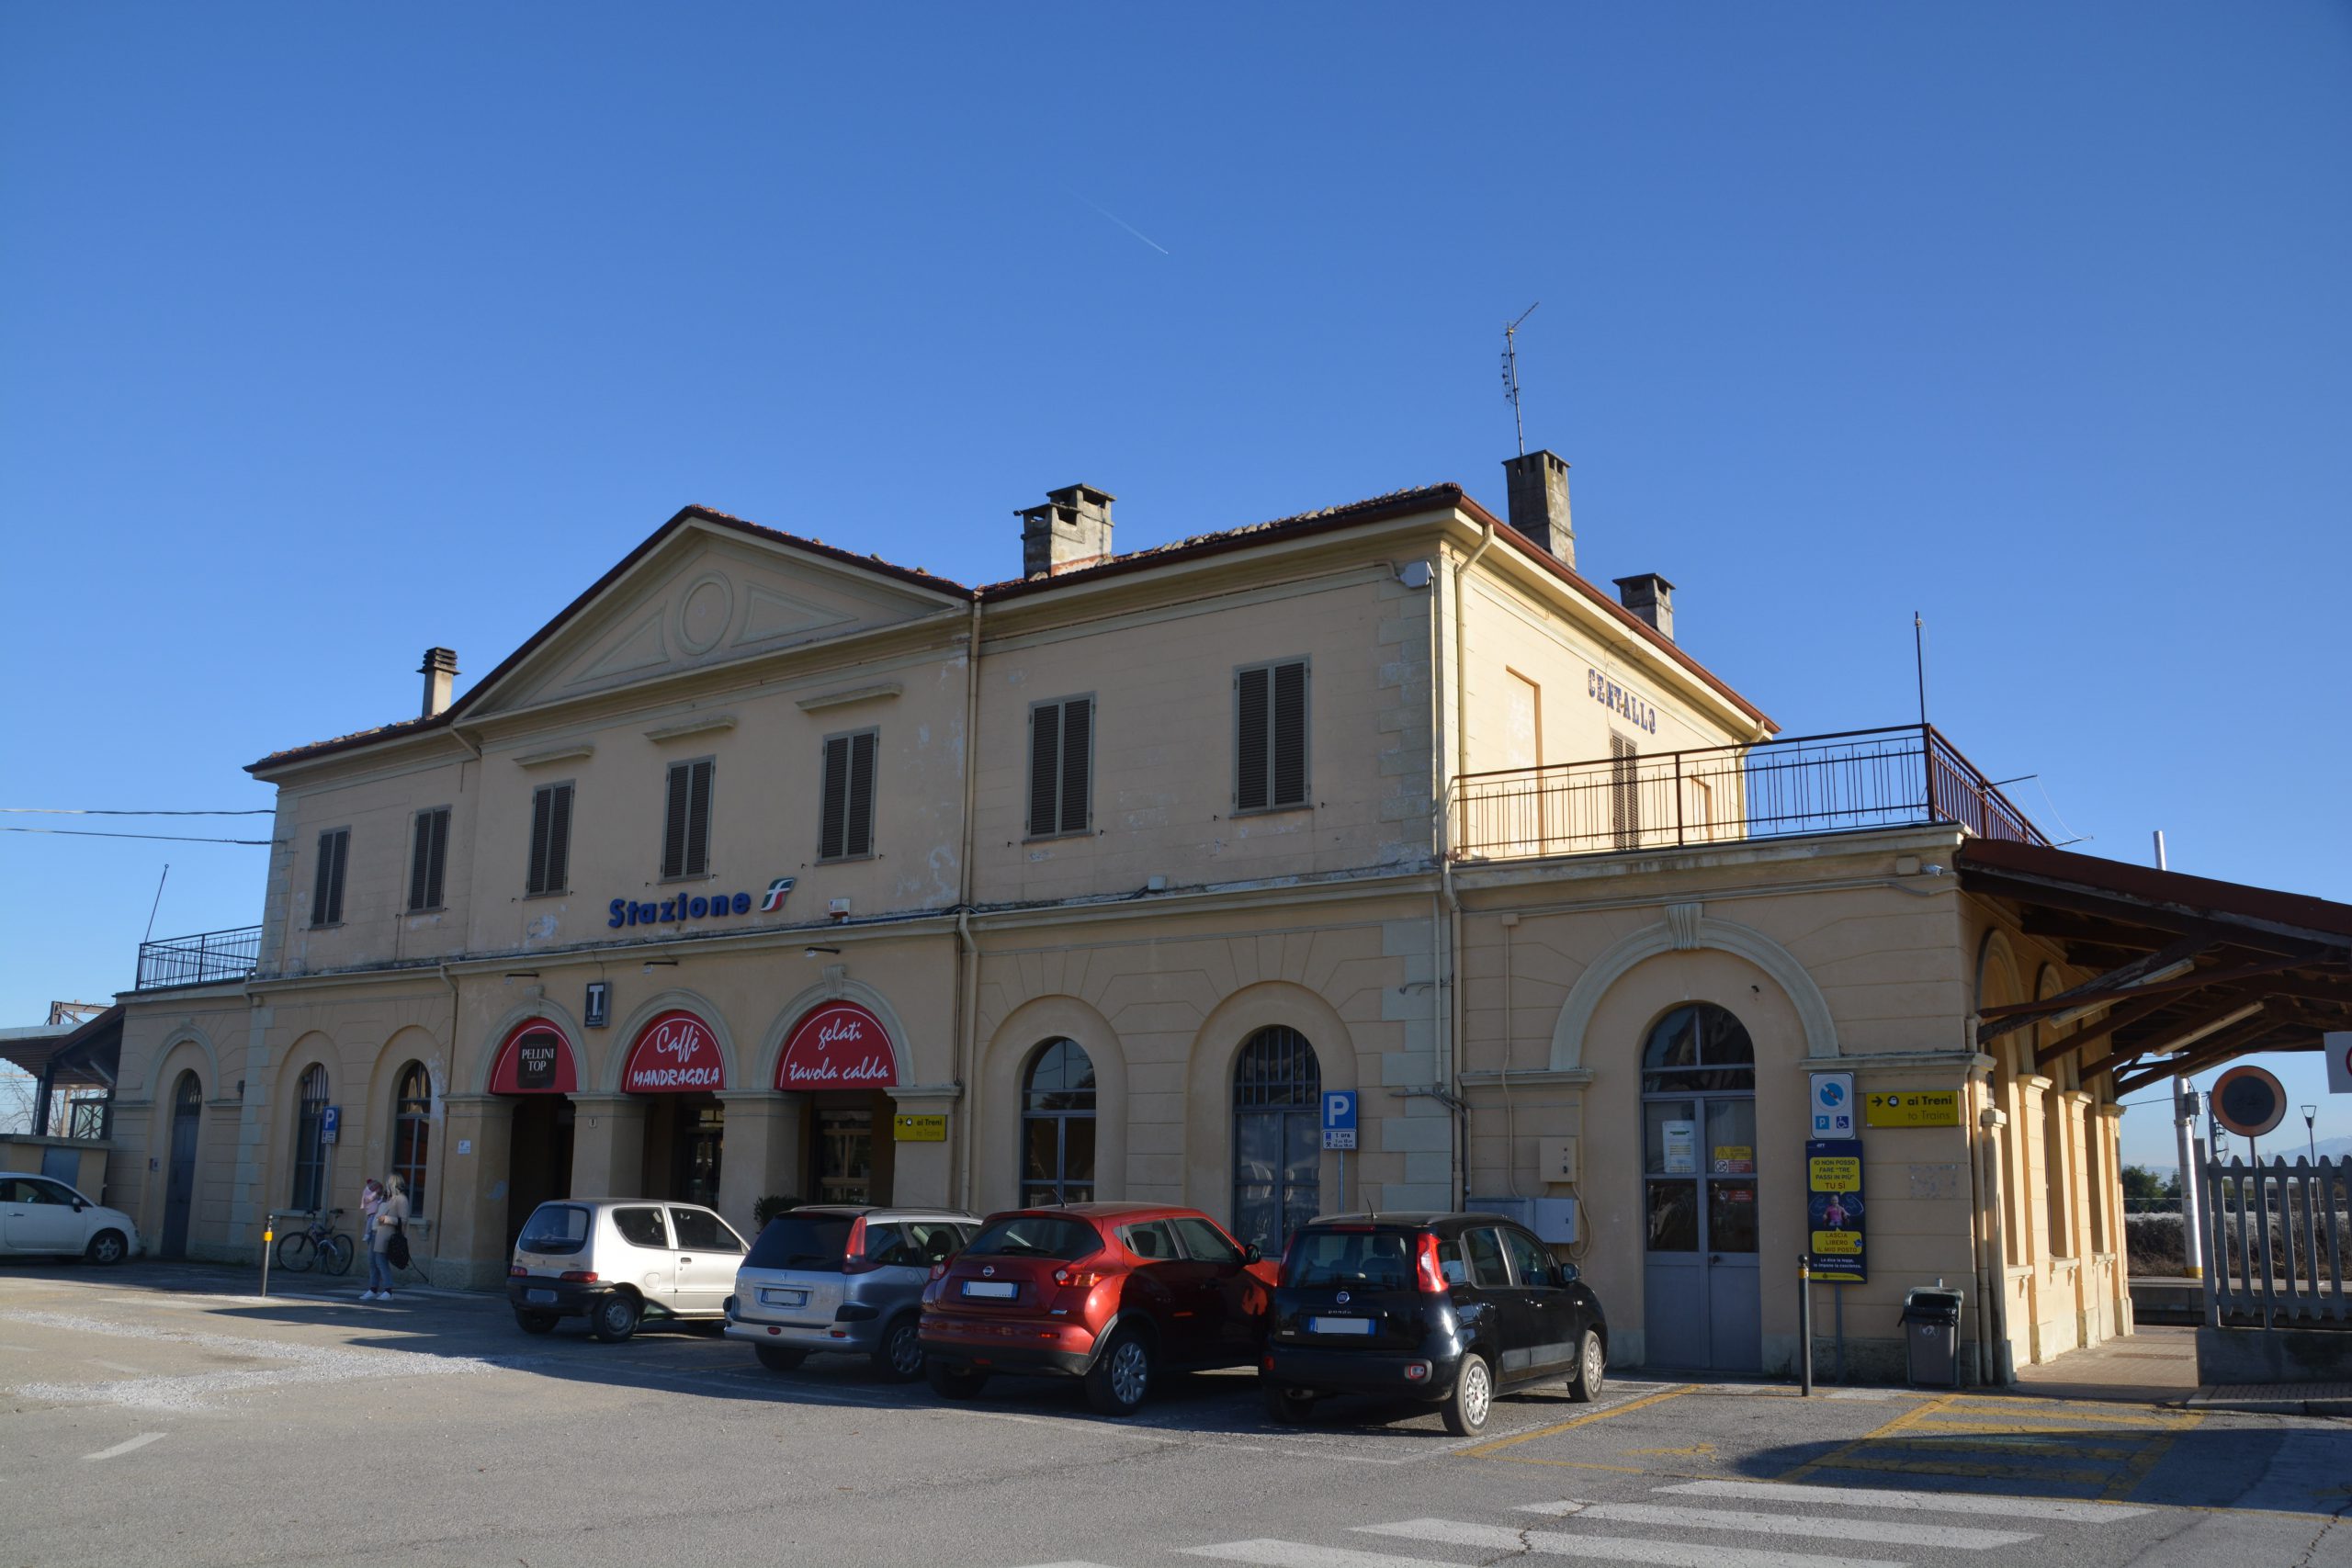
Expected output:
{"points": [[1057, 1125], [675, 1061], [412, 1132], [844, 1060], [535, 1068], [179, 1186], [1702, 1302], [1277, 1137], [310, 1139]]}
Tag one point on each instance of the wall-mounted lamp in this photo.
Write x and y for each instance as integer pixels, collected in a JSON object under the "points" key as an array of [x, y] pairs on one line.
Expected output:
{"points": [[652, 963], [523, 975], [813, 952]]}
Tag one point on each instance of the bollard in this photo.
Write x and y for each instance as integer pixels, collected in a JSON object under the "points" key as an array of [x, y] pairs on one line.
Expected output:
{"points": [[268, 1234], [1805, 1327]]}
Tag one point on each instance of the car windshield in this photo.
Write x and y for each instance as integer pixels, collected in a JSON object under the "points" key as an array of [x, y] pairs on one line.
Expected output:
{"points": [[1375, 1260], [1037, 1236], [802, 1241], [554, 1229]]}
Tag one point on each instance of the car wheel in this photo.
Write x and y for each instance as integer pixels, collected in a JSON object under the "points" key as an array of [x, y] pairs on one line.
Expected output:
{"points": [[1473, 1395], [1121, 1376], [106, 1248], [535, 1322], [779, 1358], [614, 1318], [897, 1355], [1592, 1368], [954, 1383], [1288, 1406]]}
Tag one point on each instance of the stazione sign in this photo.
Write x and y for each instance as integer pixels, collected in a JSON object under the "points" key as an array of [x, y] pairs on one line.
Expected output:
{"points": [[837, 1045], [535, 1059], [675, 1053]]}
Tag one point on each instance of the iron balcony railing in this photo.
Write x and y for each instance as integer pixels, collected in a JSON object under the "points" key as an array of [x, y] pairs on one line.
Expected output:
{"points": [[1901, 776], [199, 960]]}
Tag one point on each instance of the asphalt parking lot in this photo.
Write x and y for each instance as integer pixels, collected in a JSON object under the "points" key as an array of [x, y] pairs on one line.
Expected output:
{"points": [[163, 1413]]}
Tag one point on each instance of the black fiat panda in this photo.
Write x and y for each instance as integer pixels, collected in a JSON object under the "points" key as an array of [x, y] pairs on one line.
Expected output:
{"points": [[1444, 1308]]}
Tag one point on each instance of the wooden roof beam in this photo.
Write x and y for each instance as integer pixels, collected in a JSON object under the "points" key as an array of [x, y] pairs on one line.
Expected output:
{"points": [[2114, 985]]}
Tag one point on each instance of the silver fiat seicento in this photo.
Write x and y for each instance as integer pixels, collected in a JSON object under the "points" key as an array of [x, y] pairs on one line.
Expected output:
{"points": [[844, 1278]]}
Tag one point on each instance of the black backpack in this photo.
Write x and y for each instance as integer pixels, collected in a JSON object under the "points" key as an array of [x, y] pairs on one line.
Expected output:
{"points": [[396, 1250]]}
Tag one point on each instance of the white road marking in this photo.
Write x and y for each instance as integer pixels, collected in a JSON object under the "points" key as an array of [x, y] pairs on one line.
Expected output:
{"points": [[139, 1441], [116, 1365], [1293, 1554], [1957, 1538], [1616, 1549], [1928, 1502]]}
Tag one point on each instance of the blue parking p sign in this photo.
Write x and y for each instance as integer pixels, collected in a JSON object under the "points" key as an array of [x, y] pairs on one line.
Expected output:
{"points": [[331, 1124], [1340, 1119]]}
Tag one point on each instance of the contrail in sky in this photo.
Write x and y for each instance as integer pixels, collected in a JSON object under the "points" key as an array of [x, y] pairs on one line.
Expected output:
{"points": [[1130, 228]]}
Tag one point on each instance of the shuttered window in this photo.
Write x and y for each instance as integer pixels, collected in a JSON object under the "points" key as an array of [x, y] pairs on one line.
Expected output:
{"points": [[1270, 736], [1061, 766], [428, 859], [1624, 793], [550, 838], [326, 892], [685, 824], [847, 828]]}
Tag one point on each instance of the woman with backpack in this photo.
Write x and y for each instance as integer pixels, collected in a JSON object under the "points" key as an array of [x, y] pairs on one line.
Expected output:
{"points": [[391, 1220]]}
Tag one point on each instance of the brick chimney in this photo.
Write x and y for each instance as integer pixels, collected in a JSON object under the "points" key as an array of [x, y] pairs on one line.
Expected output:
{"points": [[1651, 597], [1071, 530], [440, 672], [1539, 501]]}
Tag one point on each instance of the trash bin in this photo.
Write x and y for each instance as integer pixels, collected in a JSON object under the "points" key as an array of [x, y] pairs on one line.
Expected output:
{"points": [[1931, 1335]]}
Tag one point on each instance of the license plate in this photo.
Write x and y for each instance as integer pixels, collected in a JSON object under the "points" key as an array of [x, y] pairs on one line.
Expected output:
{"points": [[994, 1289], [1339, 1325], [784, 1298], [538, 1295]]}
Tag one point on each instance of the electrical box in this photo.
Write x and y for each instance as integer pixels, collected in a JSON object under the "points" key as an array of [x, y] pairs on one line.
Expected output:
{"points": [[1556, 1158], [1551, 1219]]}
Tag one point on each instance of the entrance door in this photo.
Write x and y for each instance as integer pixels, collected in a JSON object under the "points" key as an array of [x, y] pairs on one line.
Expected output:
{"points": [[539, 1158], [844, 1155], [1701, 1299], [699, 1128], [179, 1188]]}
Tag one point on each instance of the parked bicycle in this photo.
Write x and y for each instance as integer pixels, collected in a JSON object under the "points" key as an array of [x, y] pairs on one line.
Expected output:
{"points": [[319, 1246]]}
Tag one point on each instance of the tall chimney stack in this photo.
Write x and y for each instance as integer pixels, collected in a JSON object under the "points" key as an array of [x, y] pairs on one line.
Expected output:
{"points": [[1651, 597], [1539, 501], [440, 673], [1071, 530]]}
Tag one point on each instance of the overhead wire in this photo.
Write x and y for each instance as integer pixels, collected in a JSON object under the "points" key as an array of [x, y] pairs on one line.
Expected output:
{"points": [[169, 838]]}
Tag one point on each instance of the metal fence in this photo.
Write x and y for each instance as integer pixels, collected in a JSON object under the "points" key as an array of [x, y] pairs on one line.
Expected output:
{"points": [[199, 960], [1901, 776], [2277, 1238]]}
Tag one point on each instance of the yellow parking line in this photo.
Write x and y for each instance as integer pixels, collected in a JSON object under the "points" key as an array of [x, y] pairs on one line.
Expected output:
{"points": [[2140, 1463], [1484, 1450], [1831, 1460], [2070, 1410], [1979, 1471], [2011, 1444]]}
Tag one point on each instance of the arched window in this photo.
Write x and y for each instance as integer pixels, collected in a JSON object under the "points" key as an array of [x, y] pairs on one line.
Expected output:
{"points": [[189, 1099], [1277, 1137], [310, 1138], [1057, 1125], [1698, 1049], [413, 1131]]}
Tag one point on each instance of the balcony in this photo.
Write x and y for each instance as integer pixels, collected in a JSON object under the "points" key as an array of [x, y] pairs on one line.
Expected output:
{"points": [[204, 959], [1908, 775]]}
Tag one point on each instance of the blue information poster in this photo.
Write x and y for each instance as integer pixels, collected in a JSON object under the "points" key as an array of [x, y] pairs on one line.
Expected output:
{"points": [[1833, 1169]]}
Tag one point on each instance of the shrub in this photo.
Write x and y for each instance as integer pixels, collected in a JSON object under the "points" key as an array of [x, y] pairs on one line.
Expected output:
{"points": [[769, 1207]]}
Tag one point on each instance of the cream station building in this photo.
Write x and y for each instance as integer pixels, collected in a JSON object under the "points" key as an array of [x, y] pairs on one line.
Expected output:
{"points": [[769, 868]]}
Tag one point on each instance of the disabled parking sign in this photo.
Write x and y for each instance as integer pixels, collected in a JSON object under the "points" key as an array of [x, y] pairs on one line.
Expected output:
{"points": [[1340, 1119]]}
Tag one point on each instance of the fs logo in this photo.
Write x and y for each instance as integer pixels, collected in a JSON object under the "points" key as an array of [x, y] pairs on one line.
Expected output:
{"points": [[775, 894]]}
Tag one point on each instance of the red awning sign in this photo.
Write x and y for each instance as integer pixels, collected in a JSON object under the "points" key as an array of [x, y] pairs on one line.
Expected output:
{"points": [[839, 1046], [674, 1054], [535, 1058]]}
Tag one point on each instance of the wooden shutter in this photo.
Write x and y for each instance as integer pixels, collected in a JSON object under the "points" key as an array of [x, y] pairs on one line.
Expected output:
{"points": [[859, 839], [1289, 736], [1624, 794], [326, 892], [699, 782], [559, 863], [674, 820], [542, 805], [833, 808], [1250, 707], [1077, 765], [1044, 768], [429, 859]]}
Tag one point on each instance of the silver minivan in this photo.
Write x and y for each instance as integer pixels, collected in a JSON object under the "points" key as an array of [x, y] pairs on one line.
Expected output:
{"points": [[616, 1261], [844, 1277]]}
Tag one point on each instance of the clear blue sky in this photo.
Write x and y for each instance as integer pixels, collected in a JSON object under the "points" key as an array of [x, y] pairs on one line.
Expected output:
{"points": [[329, 333]]}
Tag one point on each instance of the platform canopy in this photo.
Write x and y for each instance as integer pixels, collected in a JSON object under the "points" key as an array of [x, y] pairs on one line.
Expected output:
{"points": [[2191, 973]]}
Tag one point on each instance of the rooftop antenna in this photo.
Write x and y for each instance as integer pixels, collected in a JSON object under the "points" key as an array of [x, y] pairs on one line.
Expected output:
{"points": [[1510, 374], [1920, 659]]}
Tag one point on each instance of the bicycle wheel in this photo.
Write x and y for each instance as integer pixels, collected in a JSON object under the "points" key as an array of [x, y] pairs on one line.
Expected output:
{"points": [[334, 1255], [297, 1252]]}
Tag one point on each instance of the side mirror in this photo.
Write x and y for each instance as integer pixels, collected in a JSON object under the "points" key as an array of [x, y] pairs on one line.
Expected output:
{"points": [[1250, 1254], [80, 1204], [1567, 1273]]}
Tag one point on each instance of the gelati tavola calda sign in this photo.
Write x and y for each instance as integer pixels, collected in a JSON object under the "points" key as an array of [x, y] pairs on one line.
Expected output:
{"points": [[839, 1046], [674, 1054]]}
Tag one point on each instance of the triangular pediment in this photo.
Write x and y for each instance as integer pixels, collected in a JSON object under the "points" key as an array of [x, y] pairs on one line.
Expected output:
{"points": [[706, 594]]}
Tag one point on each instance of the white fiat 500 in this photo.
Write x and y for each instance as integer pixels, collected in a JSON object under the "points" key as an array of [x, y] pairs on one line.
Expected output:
{"points": [[41, 1215], [618, 1261]]}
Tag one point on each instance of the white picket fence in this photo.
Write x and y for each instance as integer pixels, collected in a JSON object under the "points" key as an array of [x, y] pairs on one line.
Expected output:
{"points": [[2278, 1238]]}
